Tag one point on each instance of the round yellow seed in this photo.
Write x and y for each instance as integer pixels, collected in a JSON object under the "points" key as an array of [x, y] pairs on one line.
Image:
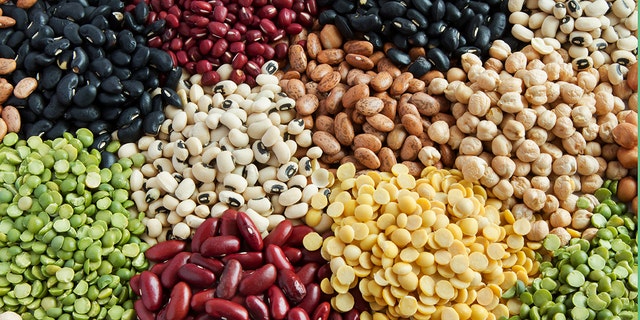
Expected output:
{"points": [[443, 238], [407, 306], [344, 302], [312, 241], [459, 263], [345, 274], [444, 290], [522, 227]]}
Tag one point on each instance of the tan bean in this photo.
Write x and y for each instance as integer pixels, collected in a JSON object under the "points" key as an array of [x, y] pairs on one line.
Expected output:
{"points": [[380, 122], [6, 89], [367, 158], [361, 47], [359, 61], [369, 141], [381, 82], [330, 56], [343, 129], [11, 117], [355, 93], [327, 142], [330, 37], [297, 58]]}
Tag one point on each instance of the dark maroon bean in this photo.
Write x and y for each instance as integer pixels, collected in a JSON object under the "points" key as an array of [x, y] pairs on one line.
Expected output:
{"points": [[307, 273], [252, 68], [165, 250], [322, 312], [267, 12], [150, 291], [269, 53], [199, 299], [275, 255], [229, 280], [305, 19], [239, 60], [293, 254], [236, 47], [352, 315], [245, 15], [297, 234], [311, 299], [196, 276], [228, 225], [255, 49], [220, 13], [278, 305], [217, 29], [334, 315], [258, 281], [282, 3], [281, 50], [142, 312], [220, 245], [206, 230], [134, 283], [203, 66], [210, 264], [210, 78], [324, 271], [169, 275], [249, 231], [178, 305], [286, 17], [297, 314], [311, 7], [252, 35], [198, 21], [233, 35], [257, 308], [224, 309], [158, 268], [248, 260], [237, 76], [267, 26], [278, 35], [201, 7], [291, 285], [294, 28]]}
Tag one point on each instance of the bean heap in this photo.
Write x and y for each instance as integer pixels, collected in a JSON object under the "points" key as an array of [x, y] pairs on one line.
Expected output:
{"points": [[202, 35], [420, 248], [439, 30], [93, 70], [593, 277], [229, 147], [68, 244], [594, 33], [228, 271]]}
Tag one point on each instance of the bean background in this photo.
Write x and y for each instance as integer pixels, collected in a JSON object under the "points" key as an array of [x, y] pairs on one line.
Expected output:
{"points": [[313, 159]]}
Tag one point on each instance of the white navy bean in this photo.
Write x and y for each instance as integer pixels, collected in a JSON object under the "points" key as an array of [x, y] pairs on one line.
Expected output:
{"points": [[274, 187], [202, 211], [587, 23], [549, 26], [193, 221], [282, 152], [170, 202], [185, 189], [261, 222], [167, 182], [623, 8], [296, 211], [224, 162], [181, 231], [290, 197], [559, 10], [154, 227], [235, 182], [231, 198], [173, 218]]}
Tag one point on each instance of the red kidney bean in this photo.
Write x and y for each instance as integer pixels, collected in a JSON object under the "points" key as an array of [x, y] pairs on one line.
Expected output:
{"points": [[258, 310], [259, 3], [297, 234], [210, 78], [293, 254], [162, 314], [228, 225], [312, 7], [298, 6], [258, 281], [352, 314], [165, 250], [274, 254], [204, 316], [324, 271], [199, 299], [220, 245], [315, 256], [175, 10], [220, 308], [142, 312], [134, 283], [220, 13], [291, 285], [297, 314], [151, 291], [178, 305], [196, 275], [282, 3], [248, 260], [169, 276], [286, 17], [201, 7], [305, 19], [158, 268], [307, 273], [229, 280], [335, 316], [322, 311], [166, 4], [278, 305], [311, 299], [206, 230], [279, 235], [237, 76], [359, 302], [249, 231], [210, 264]]}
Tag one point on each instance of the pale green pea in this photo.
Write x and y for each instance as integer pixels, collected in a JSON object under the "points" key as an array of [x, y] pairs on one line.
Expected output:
{"points": [[61, 166], [10, 139], [22, 290], [119, 220], [103, 203], [130, 250], [61, 225], [25, 203], [14, 278]]}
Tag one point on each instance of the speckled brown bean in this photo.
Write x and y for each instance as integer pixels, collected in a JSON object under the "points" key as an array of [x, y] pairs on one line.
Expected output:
{"points": [[426, 104], [381, 82], [308, 122], [6, 89], [387, 159], [369, 106], [313, 45], [7, 66], [295, 89], [324, 123], [390, 105], [359, 61], [330, 37], [396, 137], [386, 65], [366, 140], [326, 142], [447, 156], [332, 101], [329, 81], [330, 56], [333, 158], [354, 94], [368, 128], [319, 72], [352, 159], [415, 168], [380, 122], [25, 87], [307, 104], [297, 58], [3, 129], [362, 47], [412, 124], [343, 129], [400, 84], [410, 148], [356, 117], [367, 158], [416, 85], [11, 117]]}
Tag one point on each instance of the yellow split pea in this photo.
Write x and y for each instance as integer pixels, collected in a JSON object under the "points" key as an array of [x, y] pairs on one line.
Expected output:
{"points": [[432, 247]]}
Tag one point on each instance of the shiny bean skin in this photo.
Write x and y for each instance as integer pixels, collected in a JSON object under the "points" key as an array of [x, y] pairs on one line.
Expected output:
{"points": [[229, 280], [257, 308], [249, 231], [178, 305], [158, 268], [258, 281], [308, 256], [275, 255], [322, 312], [248, 260], [297, 314], [165, 250], [280, 234], [213, 265], [199, 299], [196, 275], [293, 254], [170, 274], [278, 304], [151, 290], [291, 285], [220, 245], [207, 229], [224, 309], [307, 273], [142, 312], [134, 283], [297, 234], [228, 224], [311, 299]]}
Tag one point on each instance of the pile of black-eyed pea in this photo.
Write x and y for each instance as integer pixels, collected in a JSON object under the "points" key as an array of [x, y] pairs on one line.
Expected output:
{"points": [[289, 159]]}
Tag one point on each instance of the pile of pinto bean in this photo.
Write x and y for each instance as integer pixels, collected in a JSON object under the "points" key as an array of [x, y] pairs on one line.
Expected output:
{"points": [[324, 160]]}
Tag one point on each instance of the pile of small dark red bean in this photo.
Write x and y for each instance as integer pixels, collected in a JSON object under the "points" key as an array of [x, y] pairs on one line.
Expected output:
{"points": [[439, 30], [202, 35], [93, 67], [230, 272]]}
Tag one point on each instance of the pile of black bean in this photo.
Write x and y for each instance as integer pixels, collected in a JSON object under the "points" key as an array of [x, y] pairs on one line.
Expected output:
{"points": [[446, 29], [93, 67]]}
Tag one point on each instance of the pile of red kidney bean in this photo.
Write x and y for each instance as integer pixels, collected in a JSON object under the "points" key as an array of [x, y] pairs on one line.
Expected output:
{"points": [[202, 35], [228, 271]]}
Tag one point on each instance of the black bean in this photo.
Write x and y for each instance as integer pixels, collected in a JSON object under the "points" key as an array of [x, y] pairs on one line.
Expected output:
{"points": [[121, 72], [343, 6], [36, 103], [85, 95], [90, 78], [400, 41], [154, 29], [398, 57], [131, 24], [450, 39], [18, 75], [80, 61], [479, 7], [120, 58], [419, 67], [57, 46], [71, 32], [375, 39], [417, 18], [100, 10], [140, 57], [404, 26], [5, 34], [99, 127], [18, 14], [435, 29], [366, 23], [49, 77], [126, 41], [452, 13], [173, 77], [483, 38], [6, 52], [393, 9], [66, 88], [58, 129], [153, 81], [86, 114], [422, 5], [343, 26], [152, 122], [141, 74], [57, 24], [160, 60], [111, 39], [92, 34], [141, 12], [437, 11], [94, 52], [38, 16], [107, 160], [111, 114], [100, 142], [145, 103], [73, 11], [439, 59], [170, 97], [157, 103], [101, 22], [38, 128], [132, 88], [418, 39], [497, 25], [130, 133], [111, 99], [465, 16], [16, 102], [327, 17], [127, 116], [42, 37], [102, 67]]}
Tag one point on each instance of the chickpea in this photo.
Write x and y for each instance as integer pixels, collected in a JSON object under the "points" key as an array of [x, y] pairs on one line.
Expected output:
{"points": [[541, 182], [489, 79], [590, 132], [470, 146], [501, 146], [490, 178], [609, 151], [562, 110], [551, 204], [563, 128], [486, 130], [479, 104], [616, 171], [534, 77], [513, 130], [542, 165], [581, 219], [565, 165], [467, 60], [575, 144], [474, 169], [463, 93], [587, 81], [474, 72], [560, 218], [510, 84], [520, 185], [569, 203], [467, 123], [516, 61], [587, 165], [499, 50], [553, 71], [520, 211], [539, 230], [604, 103], [534, 198], [563, 234], [494, 115], [528, 151], [547, 120], [439, 132], [563, 187], [593, 149], [537, 135], [511, 102], [581, 116], [503, 166], [551, 149], [437, 86], [522, 168], [602, 162], [450, 91], [503, 190], [458, 109], [591, 183]]}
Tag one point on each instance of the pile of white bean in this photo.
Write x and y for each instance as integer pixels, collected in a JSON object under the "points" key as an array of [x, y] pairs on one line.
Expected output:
{"points": [[231, 146], [595, 33]]}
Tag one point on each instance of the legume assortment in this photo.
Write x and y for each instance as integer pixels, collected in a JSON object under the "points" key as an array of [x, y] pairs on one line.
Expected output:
{"points": [[68, 244]]}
